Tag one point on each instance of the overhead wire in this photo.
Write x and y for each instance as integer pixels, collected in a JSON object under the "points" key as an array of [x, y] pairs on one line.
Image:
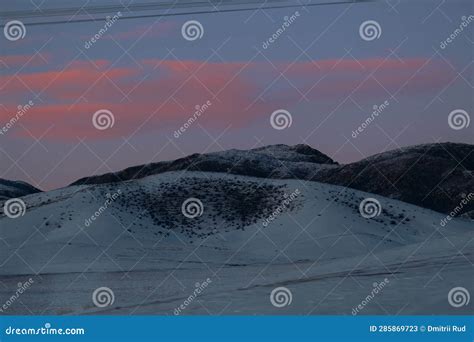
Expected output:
{"points": [[183, 6]]}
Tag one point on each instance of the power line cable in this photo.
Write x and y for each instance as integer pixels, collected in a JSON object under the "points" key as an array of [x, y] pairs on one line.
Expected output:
{"points": [[149, 6], [228, 10]]}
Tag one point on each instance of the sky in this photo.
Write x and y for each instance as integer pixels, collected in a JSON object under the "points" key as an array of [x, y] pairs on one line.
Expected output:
{"points": [[322, 73]]}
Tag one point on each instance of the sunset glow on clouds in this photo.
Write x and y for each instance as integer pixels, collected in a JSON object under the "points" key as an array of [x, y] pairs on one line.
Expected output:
{"points": [[165, 92], [12, 61], [152, 79]]}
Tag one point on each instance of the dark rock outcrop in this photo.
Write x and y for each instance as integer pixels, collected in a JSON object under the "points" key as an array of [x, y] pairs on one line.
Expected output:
{"points": [[13, 189], [435, 176]]}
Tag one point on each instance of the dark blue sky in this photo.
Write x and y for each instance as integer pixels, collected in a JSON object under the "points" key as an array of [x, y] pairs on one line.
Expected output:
{"points": [[151, 79]]}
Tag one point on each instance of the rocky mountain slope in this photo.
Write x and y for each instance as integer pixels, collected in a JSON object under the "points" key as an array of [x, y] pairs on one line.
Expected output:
{"points": [[11, 189], [435, 176]]}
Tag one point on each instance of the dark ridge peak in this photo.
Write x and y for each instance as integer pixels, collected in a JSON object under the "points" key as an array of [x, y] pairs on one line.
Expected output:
{"points": [[428, 175], [11, 189], [140, 171], [271, 146], [19, 184], [304, 149], [299, 152], [439, 150], [432, 176], [250, 164], [436, 146], [256, 162], [299, 148]]}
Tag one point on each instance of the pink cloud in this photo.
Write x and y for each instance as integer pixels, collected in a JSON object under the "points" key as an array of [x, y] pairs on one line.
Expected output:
{"points": [[69, 83], [166, 92], [11, 61]]}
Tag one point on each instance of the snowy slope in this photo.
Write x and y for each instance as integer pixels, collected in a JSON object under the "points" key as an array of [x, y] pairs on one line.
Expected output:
{"points": [[142, 247], [433, 176]]}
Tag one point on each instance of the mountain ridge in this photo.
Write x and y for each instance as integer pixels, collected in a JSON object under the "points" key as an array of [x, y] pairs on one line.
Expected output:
{"points": [[437, 176], [432, 176], [10, 189]]}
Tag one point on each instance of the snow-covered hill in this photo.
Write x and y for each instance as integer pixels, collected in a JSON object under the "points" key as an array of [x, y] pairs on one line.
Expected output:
{"points": [[155, 239], [433, 176]]}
